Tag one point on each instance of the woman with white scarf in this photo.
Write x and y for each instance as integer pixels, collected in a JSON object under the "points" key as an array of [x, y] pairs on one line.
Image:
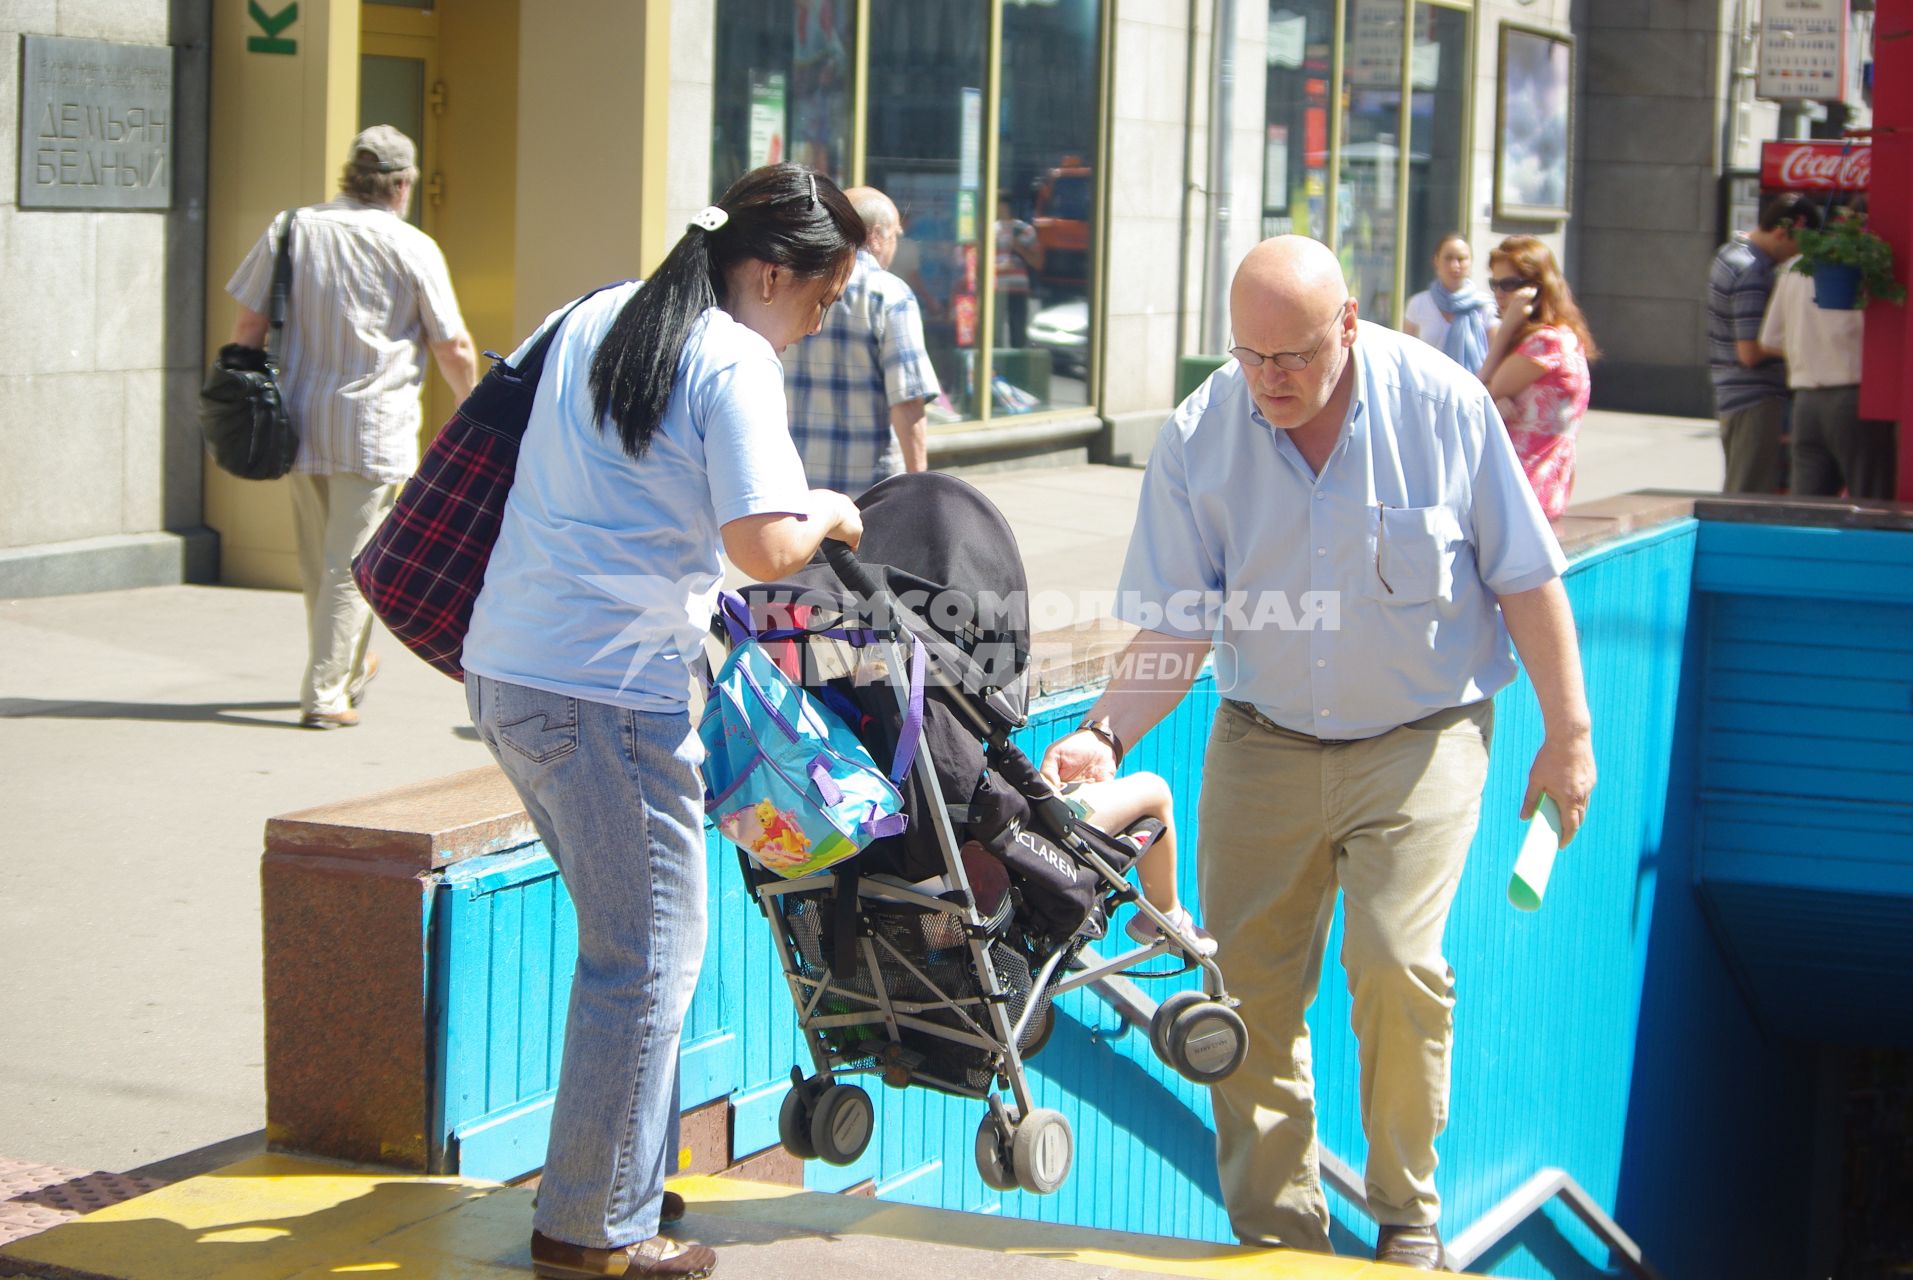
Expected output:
{"points": [[1451, 313]]}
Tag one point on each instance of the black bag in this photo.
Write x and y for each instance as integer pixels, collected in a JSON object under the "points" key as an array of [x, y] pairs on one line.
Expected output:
{"points": [[241, 412]]}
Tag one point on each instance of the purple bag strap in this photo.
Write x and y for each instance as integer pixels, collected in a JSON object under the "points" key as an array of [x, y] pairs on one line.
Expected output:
{"points": [[890, 824], [912, 731], [736, 615], [827, 789]]}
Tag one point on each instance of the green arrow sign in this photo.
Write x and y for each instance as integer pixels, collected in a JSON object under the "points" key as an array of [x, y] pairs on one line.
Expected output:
{"points": [[272, 25]]}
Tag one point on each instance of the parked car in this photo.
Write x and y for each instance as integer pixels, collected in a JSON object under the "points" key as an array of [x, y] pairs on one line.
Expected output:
{"points": [[1063, 331]]}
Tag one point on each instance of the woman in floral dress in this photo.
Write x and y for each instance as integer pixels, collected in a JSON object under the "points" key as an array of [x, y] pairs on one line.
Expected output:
{"points": [[1537, 366]]}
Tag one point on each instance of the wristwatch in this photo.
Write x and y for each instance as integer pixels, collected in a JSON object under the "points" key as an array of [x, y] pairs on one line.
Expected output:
{"points": [[1102, 730]]}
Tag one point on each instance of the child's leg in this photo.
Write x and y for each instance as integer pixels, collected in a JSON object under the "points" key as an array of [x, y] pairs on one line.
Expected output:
{"points": [[1115, 804]]}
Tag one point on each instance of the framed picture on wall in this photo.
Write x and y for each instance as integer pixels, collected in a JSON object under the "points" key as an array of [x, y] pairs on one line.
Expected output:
{"points": [[1534, 120]]}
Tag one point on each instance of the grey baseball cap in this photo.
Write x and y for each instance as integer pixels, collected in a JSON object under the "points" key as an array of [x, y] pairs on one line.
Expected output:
{"points": [[383, 149]]}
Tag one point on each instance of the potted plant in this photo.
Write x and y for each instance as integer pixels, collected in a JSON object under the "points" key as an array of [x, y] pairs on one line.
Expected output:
{"points": [[1849, 264]]}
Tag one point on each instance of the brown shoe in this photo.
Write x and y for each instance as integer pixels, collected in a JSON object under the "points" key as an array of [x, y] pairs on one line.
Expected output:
{"points": [[658, 1256], [355, 692], [345, 719], [1417, 1247], [671, 1209]]}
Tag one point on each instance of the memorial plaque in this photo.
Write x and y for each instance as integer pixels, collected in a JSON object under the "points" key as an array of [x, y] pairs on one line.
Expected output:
{"points": [[96, 125]]}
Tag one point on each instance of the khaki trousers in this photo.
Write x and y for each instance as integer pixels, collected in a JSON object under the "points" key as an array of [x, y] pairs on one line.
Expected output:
{"points": [[1284, 821], [333, 517]]}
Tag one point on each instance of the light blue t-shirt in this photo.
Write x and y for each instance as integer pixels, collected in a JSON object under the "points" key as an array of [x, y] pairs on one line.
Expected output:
{"points": [[606, 570], [1349, 603]]}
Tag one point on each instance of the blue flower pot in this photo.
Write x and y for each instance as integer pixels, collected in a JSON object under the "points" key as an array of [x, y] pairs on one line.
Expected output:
{"points": [[1836, 288]]}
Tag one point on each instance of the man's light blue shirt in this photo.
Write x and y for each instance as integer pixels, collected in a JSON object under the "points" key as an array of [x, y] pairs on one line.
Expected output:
{"points": [[1353, 602], [606, 570]]}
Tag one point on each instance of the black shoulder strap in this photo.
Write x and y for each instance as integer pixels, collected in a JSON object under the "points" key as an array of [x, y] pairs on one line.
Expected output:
{"points": [[281, 284], [534, 362]]}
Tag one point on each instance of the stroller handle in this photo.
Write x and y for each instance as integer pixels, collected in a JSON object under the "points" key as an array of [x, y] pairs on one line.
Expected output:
{"points": [[851, 571]]}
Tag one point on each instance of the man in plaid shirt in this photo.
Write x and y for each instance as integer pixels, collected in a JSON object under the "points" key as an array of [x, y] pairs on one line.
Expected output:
{"points": [[858, 386]]}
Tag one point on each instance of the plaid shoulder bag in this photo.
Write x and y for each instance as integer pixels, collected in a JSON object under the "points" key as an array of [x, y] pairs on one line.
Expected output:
{"points": [[423, 569]]}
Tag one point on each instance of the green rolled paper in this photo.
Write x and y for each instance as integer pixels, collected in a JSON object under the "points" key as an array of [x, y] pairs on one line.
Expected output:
{"points": [[1535, 862]]}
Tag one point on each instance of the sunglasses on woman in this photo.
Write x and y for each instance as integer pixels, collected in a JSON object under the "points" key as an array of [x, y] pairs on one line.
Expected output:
{"points": [[1508, 284]]}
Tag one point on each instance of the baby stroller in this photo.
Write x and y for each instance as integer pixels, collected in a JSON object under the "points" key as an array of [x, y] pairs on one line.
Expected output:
{"points": [[932, 957]]}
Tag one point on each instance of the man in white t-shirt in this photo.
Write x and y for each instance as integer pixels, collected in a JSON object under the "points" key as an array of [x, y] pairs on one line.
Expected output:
{"points": [[1833, 447]]}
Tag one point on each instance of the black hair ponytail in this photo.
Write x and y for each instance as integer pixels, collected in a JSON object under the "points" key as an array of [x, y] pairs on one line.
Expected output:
{"points": [[783, 214]]}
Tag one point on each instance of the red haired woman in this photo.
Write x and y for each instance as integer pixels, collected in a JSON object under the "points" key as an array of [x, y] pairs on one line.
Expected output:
{"points": [[1537, 366]]}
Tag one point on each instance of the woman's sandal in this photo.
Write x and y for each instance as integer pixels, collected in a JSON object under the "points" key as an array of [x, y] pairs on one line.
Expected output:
{"points": [[658, 1256]]}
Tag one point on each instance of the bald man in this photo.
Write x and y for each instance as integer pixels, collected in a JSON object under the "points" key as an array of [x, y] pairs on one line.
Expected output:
{"points": [[859, 386], [1340, 514]]}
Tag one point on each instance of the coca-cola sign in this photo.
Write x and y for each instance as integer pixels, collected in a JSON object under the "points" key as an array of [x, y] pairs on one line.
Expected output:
{"points": [[1815, 166]]}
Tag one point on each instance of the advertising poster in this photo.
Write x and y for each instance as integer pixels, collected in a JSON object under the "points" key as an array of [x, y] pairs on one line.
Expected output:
{"points": [[767, 118], [970, 157]]}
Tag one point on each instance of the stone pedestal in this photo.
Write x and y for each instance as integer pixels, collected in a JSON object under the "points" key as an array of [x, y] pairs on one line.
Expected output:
{"points": [[346, 896]]}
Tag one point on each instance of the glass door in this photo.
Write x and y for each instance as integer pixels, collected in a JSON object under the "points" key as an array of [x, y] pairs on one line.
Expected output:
{"points": [[399, 85]]}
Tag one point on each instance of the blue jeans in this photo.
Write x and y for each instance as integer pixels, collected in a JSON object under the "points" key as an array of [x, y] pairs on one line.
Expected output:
{"points": [[615, 794]]}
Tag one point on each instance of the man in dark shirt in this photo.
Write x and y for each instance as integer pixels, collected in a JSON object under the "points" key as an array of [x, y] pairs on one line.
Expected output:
{"points": [[1750, 388]]}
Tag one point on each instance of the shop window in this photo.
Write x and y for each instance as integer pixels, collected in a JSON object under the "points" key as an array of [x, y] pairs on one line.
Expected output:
{"points": [[924, 149], [785, 69], [1438, 136], [1366, 203], [1301, 48], [1045, 212]]}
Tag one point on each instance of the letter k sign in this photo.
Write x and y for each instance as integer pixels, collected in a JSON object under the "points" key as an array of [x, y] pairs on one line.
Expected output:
{"points": [[272, 42]]}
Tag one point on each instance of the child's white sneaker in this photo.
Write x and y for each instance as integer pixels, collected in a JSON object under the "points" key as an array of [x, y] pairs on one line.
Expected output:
{"points": [[1144, 930]]}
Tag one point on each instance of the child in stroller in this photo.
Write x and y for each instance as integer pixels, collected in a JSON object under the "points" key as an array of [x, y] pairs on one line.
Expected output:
{"points": [[1116, 805]]}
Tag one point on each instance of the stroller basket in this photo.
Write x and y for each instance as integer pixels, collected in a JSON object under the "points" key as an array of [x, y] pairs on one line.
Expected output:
{"points": [[924, 971]]}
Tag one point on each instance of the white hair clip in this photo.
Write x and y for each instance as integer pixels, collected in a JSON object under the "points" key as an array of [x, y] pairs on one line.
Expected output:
{"points": [[710, 218]]}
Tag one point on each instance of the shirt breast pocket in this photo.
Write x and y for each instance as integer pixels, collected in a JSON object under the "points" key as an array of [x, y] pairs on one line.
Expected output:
{"points": [[1413, 554]]}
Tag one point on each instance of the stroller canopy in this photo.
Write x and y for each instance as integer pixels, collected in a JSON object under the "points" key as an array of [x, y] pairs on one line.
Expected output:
{"points": [[948, 555]]}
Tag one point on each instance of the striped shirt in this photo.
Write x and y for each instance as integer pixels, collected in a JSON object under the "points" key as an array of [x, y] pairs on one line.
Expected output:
{"points": [[843, 379], [1737, 289], [369, 292]]}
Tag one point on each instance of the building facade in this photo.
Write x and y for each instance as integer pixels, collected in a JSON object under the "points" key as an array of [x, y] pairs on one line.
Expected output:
{"points": [[566, 145]]}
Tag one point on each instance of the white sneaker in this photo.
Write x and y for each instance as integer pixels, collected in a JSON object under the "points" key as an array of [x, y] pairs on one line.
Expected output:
{"points": [[1142, 929]]}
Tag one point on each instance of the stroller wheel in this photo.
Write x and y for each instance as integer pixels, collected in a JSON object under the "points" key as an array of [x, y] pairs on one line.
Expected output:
{"points": [[841, 1123], [1207, 1041], [1041, 1150], [1165, 1018], [993, 1154], [793, 1123]]}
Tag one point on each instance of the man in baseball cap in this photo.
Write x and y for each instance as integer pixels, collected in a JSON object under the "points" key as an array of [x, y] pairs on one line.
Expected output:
{"points": [[382, 149], [350, 375]]}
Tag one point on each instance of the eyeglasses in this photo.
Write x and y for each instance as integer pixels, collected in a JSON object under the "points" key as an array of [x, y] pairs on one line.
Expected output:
{"points": [[1293, 361], [1508, 284]]}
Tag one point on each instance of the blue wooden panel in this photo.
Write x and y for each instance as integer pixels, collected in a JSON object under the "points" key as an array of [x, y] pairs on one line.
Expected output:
{"points": [[1806, 773], [504, 942], [710, 1053], [1798, 564], [506, 1144]]}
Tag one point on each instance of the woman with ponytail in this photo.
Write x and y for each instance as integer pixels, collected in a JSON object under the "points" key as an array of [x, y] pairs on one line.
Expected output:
{"points": [[1537, 367], [658, 437]]}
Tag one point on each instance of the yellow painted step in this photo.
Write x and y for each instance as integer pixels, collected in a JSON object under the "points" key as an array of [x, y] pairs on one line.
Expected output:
{"points": [[286, 1218]]}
